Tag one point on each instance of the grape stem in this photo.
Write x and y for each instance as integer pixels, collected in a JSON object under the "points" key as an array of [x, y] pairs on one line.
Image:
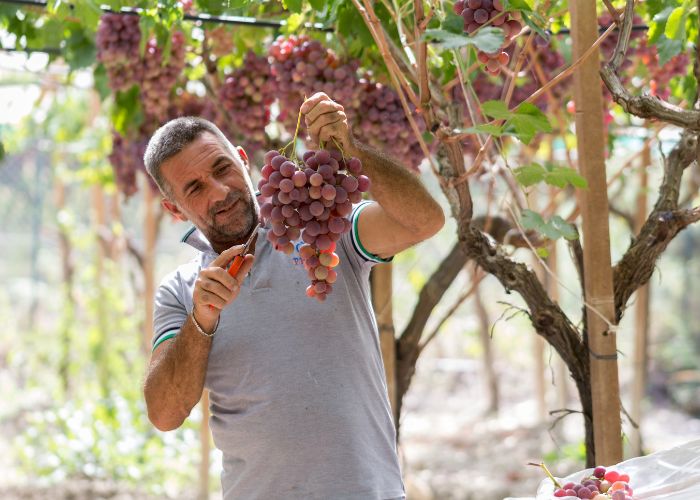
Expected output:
{"points": [[293, 142], [549, 474], [342, 153]]}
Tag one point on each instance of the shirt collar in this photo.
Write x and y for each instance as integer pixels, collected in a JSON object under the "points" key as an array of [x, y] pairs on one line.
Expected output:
{"points": [[197, 240]]}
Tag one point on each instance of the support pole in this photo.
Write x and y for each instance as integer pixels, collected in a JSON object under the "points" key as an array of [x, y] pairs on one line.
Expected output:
{"points": [[381, 300], [150, 234], [602, 342], [205, 448]]}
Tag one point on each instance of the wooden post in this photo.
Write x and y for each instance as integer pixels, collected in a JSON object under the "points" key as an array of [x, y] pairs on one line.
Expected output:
{"points": [[67, 272], [99, 223], [150, 234], [381, 281], [641, 319], [605, 388], [205, 439]]}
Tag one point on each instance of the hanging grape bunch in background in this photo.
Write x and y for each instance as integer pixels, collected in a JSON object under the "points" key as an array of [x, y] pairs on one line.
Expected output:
{"points": [[477, 13], [311, 198]]}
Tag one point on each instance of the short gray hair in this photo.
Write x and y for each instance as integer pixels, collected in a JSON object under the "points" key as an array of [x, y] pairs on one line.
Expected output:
{"points": [[172, 138]]}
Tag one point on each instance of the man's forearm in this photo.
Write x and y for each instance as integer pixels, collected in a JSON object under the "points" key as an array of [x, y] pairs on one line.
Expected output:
{"points": [[175, 381], [400, 193]]}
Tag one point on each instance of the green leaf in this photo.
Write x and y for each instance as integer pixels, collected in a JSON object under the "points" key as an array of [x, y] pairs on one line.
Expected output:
{"points": [[531, 220], [528, 121], [293, 5], [536, 26], [496, 109], [2, 151], [79, 51], [126, 113], [565, 229], [517, 5], [99, 75], [484, 128], [562, 176], [453, 23], [675, 24], [529, 175], [542, 252], [317, 4], [668, 49], [293, 23], [486, 39]]}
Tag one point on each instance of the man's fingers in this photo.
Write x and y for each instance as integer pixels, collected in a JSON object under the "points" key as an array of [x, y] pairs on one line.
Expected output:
{"points": [[324, 119], [212, 287], [336, 129], [312, 101], [227, 256], [221, 275], [245, 267], [323, 107]]}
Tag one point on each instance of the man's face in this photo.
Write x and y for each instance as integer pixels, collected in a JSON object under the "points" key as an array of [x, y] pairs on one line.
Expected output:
{"points": [[212, 189]]}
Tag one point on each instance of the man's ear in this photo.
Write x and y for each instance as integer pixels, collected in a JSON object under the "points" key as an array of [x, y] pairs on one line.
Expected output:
{"points": [[244, 157], [172, 208]]}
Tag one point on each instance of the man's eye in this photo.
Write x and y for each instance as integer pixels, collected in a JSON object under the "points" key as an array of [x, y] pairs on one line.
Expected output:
{"points": [[193, 190], [222, 169]]}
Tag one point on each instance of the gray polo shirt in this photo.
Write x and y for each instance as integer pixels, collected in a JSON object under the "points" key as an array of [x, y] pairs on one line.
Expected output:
{"points": [[298, 394]]}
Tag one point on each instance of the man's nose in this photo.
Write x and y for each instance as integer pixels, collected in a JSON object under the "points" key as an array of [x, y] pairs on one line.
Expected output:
{"points": [[219, 190]]}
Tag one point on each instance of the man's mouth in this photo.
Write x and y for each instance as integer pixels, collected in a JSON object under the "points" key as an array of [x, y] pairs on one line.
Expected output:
{"points": [[226, 210]]}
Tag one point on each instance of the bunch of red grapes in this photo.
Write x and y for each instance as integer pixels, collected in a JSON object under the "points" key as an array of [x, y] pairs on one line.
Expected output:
{"points": [[118, 49], [221, 40], [600, 485], [159, 76], [384, 125], [126, 159], [478, 13], [661, 75], [247, 94], [311, 199], [302, 66], [117, 39]]}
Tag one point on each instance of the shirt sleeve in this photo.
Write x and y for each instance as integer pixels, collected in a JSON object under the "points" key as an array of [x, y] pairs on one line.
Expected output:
{"points": [[353, 244], [169, 312]]}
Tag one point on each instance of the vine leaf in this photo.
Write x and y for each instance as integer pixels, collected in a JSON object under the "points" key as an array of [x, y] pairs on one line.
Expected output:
{"points": [[487, 39], [553, 229]]}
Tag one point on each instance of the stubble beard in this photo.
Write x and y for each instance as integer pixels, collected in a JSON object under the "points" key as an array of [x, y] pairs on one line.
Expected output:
{"points": [[238, 225]]}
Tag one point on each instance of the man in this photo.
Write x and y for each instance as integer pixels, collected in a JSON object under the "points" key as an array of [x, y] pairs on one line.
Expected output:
{"points": [[299, 403]]}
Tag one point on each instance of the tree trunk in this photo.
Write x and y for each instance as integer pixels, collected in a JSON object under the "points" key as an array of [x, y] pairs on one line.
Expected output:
{"points": [[600, 311]]}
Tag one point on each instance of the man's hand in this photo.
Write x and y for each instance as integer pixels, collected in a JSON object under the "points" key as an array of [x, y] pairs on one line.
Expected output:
{"points": [[326, 119], [215, 288]]}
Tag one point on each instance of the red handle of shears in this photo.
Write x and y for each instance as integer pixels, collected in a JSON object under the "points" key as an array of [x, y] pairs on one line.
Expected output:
{"points": [[236, 265]]}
